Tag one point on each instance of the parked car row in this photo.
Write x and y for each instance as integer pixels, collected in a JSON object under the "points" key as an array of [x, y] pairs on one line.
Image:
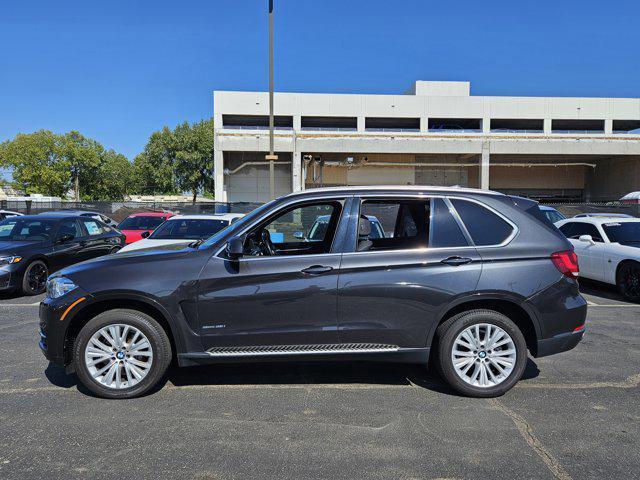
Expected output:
{"points": [[34, 246], [467, 280]]}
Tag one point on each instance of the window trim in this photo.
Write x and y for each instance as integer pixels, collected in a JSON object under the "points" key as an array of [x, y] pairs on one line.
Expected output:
{"points": [[456, 215], [336, 244], [514, 232]]}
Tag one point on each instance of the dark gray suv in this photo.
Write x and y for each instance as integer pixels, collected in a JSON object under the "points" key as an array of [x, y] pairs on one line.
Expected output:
{"points": [[466, 280]]}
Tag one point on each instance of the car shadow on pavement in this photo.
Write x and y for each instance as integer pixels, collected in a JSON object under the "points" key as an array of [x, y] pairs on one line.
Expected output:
{"points": [[344, 374], [600, 290]]}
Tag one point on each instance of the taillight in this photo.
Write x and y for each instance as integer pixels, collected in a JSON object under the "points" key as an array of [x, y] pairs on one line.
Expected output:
{"points": [[566, 262]]}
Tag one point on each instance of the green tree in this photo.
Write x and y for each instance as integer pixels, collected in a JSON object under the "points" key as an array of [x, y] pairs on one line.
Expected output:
{"points": [[37, 163], [193, 161], [178, 160], [43, 162]]}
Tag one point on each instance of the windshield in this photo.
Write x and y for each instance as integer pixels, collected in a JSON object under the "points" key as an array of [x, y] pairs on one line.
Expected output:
{"points": [[553, 215], [19, 229], [188, 229], [623, 232], [238, 225], [141, 223]]}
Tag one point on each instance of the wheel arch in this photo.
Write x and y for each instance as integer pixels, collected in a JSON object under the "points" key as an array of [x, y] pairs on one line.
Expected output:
{"points": [[132, 302], [524, 318]]}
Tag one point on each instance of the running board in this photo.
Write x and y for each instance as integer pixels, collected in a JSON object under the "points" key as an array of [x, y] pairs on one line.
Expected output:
{"points": [[301, 350]]}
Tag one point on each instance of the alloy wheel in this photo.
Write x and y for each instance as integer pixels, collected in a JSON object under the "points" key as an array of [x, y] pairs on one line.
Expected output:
{"points": [[630, 282], [483, 355], [118, 356], [37, 277]]}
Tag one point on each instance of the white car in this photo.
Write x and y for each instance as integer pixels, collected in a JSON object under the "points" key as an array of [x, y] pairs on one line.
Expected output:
{"points": [[608, 250], [184, 229]]}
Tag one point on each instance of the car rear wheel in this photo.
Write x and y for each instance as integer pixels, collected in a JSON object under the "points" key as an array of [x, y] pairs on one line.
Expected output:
{"points": [[480, 353], [34, 280], [121, 354], [628, 281]]}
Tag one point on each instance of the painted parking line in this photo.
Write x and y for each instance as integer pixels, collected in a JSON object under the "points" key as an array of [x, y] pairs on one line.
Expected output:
{"points": [[19, 304]]}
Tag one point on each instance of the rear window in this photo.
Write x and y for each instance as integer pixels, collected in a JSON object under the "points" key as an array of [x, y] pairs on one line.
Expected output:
{"points": [[485, 227]]}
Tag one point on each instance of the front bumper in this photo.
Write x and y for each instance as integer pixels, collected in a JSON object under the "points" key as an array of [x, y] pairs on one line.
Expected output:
{"points": [[53, 327]]}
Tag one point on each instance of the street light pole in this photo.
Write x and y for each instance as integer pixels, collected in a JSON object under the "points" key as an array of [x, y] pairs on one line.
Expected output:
{"points": [[272, 156]]}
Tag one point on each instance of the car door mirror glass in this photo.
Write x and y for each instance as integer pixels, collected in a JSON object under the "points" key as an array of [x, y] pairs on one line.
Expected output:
{"points": [[299, 235], [235, 248]]}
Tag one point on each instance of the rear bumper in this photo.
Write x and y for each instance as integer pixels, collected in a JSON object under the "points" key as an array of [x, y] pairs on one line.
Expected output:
{"points": [[559, 343]]}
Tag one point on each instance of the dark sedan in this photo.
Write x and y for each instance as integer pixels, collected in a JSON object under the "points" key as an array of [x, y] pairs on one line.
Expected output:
{"points": [[33, 246]]}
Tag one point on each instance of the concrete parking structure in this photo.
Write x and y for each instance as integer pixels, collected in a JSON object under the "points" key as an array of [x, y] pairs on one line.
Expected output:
{"points": [[437, 133]]}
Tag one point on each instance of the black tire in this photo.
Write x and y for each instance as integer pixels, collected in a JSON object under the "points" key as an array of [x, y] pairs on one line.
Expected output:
{"points": [[628, 281], [445, 338], [160, 344], [34, 279]]}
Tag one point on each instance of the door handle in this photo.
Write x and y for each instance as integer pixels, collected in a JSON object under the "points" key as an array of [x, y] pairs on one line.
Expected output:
{"points": [[456, 261], [316, 270]]}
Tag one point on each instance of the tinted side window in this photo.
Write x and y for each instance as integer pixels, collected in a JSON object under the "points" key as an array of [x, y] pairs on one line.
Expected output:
{"points": [[396, 224], [581, 228], [567, 228], [484, 226], [93, 227], [69, 227], [445, 231]]}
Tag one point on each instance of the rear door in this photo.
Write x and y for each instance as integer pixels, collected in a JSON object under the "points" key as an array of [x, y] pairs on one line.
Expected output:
{"points": [[391, 290], [96, 241]]}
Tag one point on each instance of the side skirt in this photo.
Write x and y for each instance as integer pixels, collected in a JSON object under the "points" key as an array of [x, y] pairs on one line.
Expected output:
{"points": [[311, 353]]}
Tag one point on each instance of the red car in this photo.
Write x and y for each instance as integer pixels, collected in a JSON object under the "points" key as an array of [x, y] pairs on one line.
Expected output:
{"points": [[139, 225]]}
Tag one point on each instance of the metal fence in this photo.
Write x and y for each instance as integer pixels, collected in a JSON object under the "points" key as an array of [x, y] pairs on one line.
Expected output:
{"points": [[118, 211], [572, 209]]}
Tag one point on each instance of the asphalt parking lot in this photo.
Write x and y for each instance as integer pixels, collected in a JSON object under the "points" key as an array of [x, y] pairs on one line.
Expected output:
{"points": [[575, 415]]}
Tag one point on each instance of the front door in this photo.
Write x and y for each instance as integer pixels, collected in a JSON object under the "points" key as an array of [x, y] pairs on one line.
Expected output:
{"points": [[283, 291], [393, 288]]}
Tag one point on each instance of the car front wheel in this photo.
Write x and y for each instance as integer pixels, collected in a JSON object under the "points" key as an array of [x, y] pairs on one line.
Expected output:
{"points": [[34, 280], [481, 353], [121, 354]]}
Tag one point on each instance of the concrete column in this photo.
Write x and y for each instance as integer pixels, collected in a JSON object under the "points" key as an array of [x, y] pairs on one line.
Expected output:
{"points": [[484, 167], [424, 124], [218, 173], [361, 124], [608, 126], [485, 125], [296, 172], [547, 125], [297, 123]]}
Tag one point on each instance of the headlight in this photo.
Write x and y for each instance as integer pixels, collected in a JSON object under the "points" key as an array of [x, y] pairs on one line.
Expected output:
{"points": [[4, 261], [59, 286]]}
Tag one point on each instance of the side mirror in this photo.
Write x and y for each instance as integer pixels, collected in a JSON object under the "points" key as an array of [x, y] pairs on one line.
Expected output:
{"points": [[587, 239], [65, 238], [235, 248], [298, 235], [145, 234]]}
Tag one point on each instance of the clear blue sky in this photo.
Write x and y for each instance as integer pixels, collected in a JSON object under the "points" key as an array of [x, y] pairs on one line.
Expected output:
{"points": [[118, 70]]}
